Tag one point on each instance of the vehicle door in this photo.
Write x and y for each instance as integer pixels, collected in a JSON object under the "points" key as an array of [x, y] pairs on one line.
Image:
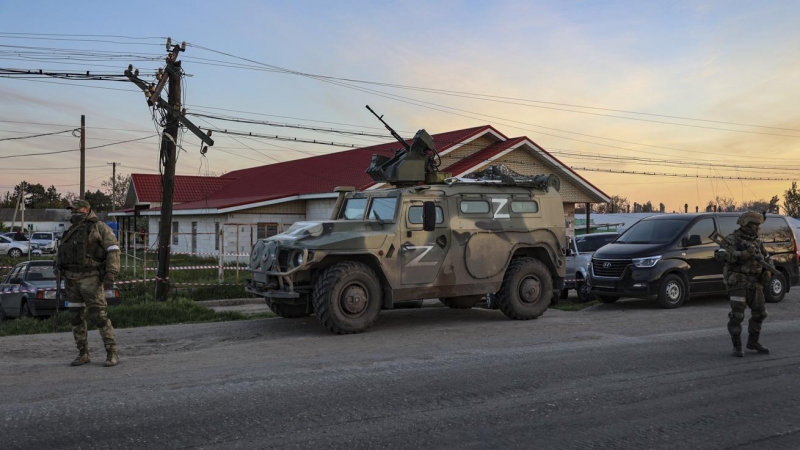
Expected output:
{"points": [[698, 249], [10, 297], [5, 245], [422, 252]]}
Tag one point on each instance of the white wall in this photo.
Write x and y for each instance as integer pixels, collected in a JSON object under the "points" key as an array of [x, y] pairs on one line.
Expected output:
{"points": [[319, 209]]}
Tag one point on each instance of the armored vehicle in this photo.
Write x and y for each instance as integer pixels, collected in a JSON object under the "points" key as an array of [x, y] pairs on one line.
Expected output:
{"points": [[455, 239]]}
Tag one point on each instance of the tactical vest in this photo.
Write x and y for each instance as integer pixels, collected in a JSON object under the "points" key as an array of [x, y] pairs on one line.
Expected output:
{"points": [[77, 254]]}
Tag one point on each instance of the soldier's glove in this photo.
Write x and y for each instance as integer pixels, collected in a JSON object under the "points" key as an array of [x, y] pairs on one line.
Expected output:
{"points": [[746, 255], [108, 281], [766, 276]]}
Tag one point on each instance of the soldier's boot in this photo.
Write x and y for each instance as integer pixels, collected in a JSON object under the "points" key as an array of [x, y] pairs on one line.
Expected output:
{"points": [[112, 358], [737, 345], [752, 344], [83, 358]]}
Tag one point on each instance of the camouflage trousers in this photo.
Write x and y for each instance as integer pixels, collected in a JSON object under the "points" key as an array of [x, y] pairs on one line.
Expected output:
{"points": [[753, 298], [86, 293]]}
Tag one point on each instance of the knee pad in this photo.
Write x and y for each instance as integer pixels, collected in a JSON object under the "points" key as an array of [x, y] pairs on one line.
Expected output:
{"points": [[75, 319], [736, 316], [759, 316]]}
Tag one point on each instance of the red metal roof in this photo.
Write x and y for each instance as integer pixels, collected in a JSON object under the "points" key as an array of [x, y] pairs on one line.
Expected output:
{"points": [[187, 188], [481, 156]]}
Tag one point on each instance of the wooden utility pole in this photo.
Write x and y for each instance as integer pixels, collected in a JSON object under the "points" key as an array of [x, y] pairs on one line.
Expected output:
{"points": [[83, 157], [113, 184], [170, 76]]}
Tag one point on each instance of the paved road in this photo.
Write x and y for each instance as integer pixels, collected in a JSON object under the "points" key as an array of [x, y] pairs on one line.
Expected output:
{"points": [[627, 375]]}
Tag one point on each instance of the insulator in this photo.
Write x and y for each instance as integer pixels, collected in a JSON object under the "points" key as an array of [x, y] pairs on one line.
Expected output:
{"points": [[169, 43], [183, 46], [208, 133], [183, 111], [136, 73], [204, 150]]}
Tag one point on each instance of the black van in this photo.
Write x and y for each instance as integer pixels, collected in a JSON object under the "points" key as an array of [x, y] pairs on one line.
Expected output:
{"points": [[671, 256]]}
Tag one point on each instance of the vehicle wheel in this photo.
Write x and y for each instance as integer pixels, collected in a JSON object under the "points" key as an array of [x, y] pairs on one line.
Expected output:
{"points": [[288, 311], [464, 302], [607, 298], [25, 311], [527, 289], [15, 253], [347, 297], [776, 289], [584, 292], [672, 292]]}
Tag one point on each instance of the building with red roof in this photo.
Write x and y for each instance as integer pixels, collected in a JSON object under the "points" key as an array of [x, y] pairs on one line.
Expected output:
{"points": [[257, 202]]}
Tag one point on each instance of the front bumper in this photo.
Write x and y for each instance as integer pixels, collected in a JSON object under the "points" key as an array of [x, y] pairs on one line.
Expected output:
{"points": [[635, 282]]}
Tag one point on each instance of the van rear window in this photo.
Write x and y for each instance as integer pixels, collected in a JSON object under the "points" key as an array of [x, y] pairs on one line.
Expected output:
{"points": [[774, 229]]}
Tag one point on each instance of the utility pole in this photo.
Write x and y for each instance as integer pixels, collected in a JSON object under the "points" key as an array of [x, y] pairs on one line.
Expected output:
{"points": [[83, 157], [113, 184], [171, 75]]}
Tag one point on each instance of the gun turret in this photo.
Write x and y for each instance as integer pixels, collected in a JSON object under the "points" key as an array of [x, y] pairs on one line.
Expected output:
{"points": [[416, 163]]}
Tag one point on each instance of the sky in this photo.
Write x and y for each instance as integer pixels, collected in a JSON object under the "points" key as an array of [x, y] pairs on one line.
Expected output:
{"points": [[696, 89]]}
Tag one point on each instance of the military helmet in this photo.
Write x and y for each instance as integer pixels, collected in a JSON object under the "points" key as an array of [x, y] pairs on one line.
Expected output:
{"points": [[750, 217], [76, 204]]}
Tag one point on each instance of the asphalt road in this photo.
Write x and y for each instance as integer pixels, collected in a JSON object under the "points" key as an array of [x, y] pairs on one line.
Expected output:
{"points": [[622, 376]]}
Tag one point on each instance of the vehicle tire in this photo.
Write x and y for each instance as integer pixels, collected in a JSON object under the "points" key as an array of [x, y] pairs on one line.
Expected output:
{"points": [[607, 298], [25, 311], [584, 292], [527, 289], [463, 302], [15, 253], [776, 289], [672, 292], [347, 297], [288, 311]]}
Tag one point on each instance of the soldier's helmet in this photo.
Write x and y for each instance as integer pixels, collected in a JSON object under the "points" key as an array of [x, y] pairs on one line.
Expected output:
{"points": [[79, 204], [750, 217]]}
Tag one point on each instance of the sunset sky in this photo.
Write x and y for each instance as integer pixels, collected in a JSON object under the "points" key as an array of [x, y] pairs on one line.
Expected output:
{"points": [[698, 88]]}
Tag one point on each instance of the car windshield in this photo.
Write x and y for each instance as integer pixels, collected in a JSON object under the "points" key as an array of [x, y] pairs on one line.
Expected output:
{"points": [[40, 273], [593, 243], [382, 208], [652, 232], [353, 209]]}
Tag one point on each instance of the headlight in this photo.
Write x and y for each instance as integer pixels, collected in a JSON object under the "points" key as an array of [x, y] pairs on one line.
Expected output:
{"points": [[649, 261], [297, 259], [50, 295]]}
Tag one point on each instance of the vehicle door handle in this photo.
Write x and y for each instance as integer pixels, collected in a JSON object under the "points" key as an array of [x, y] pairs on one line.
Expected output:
{"points": [[441, 241]]}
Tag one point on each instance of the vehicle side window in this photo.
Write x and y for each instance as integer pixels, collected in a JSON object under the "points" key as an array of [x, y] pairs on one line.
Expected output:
{"points": [[4, 240], [527, 206], [474, 206], [14, 274], [727, 224], [775, 229], [704, 228], [40, 236], [382, 208], [354, 208], [415, 215]]}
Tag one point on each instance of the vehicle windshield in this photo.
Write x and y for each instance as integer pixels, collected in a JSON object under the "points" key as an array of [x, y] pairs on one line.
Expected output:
{"points": [[382, 208], [40, 273], [652, 232], [353, 209], [592, 244]]}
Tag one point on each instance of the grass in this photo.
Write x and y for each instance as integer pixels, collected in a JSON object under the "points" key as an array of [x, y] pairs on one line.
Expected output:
{"points": [[565, 305], [136, 313]]}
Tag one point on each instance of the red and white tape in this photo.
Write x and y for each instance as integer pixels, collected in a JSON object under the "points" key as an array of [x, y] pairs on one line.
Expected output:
{"points": [[201, 253], [200, 268]]}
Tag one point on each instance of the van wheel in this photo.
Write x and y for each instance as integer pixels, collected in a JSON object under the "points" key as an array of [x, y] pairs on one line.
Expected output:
{"points": [[527, 289], [672, 292], [288, 311], [585, 292], [463, 302], [776, 289], [607, 298], [347, 297]]}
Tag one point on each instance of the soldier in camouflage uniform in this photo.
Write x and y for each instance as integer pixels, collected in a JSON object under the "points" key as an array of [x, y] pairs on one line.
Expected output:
{"points": [[745, 279], [88, 258]]}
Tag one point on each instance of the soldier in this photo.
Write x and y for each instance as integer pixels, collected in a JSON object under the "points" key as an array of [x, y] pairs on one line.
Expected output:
{"points": [[745, 279], [88, 257]]}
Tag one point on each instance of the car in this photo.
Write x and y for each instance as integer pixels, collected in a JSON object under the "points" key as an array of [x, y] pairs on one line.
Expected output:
{"points": [[671, 257], [46, 240], [23, 239], [14, 249], [579, 256], [29, 290]]}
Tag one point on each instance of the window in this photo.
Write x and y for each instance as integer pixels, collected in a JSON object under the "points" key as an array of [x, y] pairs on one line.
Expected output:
{"points": [[474, 206], [175, 236], [703, 228], [415, 215], [527, 206], [775, 229], [382, 208], [4, 240], [40, 273], [652, 231], [727, 224], [43, 236], [265, 230], [216, 235], [353, 209], [589, 243]]}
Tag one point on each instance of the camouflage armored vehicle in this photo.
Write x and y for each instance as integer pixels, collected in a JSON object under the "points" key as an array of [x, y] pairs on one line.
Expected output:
{"points": [[429, 237]]}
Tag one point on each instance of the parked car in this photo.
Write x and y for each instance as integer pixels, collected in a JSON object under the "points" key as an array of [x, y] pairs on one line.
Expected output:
{"points": [[46, 240], [14, 249], [22, 238], [30, 290], [671, 257], [581, 249]]}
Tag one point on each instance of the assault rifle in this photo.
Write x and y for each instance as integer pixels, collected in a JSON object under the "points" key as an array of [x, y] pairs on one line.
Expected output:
{"points": [[725, 245]]}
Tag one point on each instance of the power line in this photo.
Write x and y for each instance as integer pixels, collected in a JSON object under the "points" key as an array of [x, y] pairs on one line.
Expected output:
{"points": [[75, 150], [286, 139], [36, 135], [632, 172], [287, 125]]}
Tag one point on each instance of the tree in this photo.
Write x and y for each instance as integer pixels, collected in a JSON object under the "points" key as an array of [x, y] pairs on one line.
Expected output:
{"points": [[723, 204], [36, 197], [616, 205], [100, 202], [647, 207], [791, 201], [117, 193]]}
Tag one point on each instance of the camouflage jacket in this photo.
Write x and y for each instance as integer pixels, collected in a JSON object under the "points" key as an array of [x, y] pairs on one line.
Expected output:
{"points": [[739, 273], [89, 246]]}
